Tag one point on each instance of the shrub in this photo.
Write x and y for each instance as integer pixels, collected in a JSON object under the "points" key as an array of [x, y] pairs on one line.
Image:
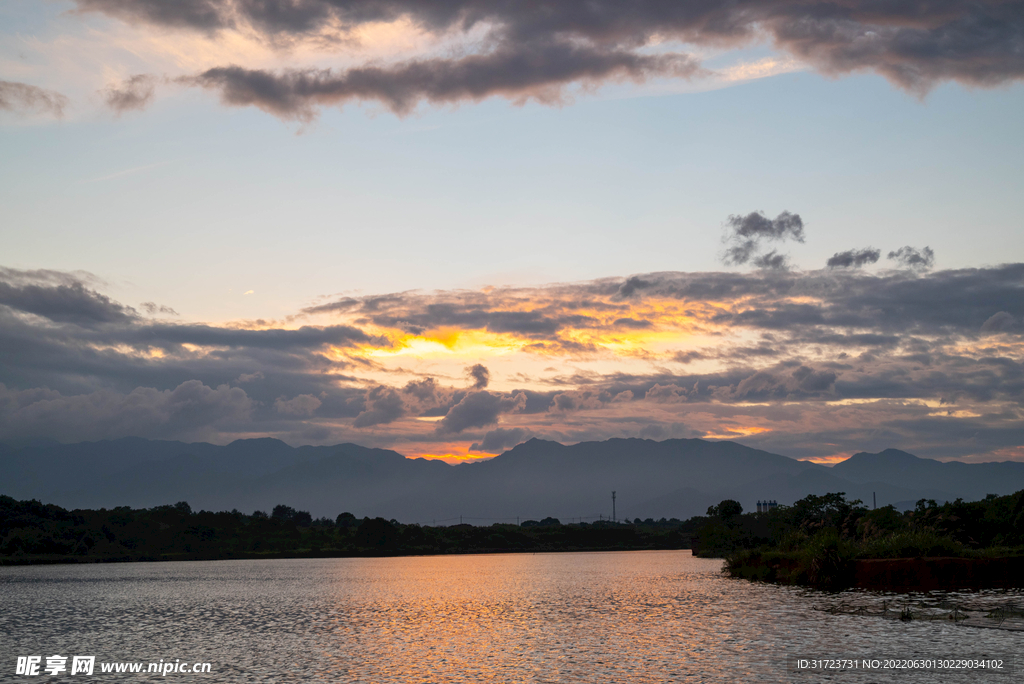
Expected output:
{"points": [[914, 544]]}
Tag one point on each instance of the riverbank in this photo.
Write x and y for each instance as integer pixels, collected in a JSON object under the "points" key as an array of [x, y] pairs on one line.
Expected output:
{"points": [[880, 574], [930, 574], [831, 543]]}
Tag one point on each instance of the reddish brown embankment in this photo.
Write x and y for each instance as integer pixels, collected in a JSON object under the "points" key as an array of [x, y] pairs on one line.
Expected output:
{"points": [[924, 574]]}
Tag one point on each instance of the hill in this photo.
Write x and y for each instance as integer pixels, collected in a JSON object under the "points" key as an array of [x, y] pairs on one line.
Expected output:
{"points": [[674, 478]]}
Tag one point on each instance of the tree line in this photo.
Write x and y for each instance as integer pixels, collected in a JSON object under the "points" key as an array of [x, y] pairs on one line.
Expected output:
{"points": [[33, 532]]}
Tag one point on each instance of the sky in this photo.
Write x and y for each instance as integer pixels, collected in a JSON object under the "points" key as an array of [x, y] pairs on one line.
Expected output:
{"points": [[447, 227]]}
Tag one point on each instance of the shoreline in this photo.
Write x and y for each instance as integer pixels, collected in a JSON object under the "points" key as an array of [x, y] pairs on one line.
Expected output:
{"points": [[939, 573], [80, 560]]}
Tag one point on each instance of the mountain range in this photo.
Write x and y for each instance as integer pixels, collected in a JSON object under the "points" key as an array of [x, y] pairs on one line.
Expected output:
{"points": [[674, 478]]}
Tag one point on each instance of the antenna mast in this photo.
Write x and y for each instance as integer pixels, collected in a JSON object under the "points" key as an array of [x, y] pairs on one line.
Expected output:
{"points": [[613, 506]]}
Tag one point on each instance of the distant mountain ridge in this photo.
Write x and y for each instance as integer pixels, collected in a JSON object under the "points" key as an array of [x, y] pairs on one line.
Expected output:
{"points": [[674, 478]]}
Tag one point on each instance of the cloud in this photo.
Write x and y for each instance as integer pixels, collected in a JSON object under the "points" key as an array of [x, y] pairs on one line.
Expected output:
{"points": [[383, 405], [73, 303], [307, 337], [501, 439], [578, 400], [632, 323], [481, 376], [23, 98], [302, 405], [134, 93], [205, 15], [666, 394], [915, 47], [757, 226], [772, 261], [910, 257], [747, 234], [974, 43], [632, 285], [479, 409], [190, 409], [802, 380], [854, 258], [153, 308], [823, 355], [426, 391], [519, 72], [999, 322]]}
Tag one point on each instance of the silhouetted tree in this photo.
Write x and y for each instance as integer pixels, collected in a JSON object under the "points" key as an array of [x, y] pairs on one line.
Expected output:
{"points": [[726, 510]]}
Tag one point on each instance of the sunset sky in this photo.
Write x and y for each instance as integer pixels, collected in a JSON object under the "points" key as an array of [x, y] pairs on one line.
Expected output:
{"points": [[447, 227]]}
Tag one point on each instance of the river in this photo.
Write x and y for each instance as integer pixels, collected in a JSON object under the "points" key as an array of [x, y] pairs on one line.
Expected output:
{"points": [[657, 616]]}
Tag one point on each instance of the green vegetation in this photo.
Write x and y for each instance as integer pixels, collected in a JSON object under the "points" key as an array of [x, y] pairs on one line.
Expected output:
{"points": [[816, 540], [31, 532]]}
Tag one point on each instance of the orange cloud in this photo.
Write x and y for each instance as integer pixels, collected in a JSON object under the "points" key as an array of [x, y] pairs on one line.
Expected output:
{"points": [[733, 433], [827, 460]]}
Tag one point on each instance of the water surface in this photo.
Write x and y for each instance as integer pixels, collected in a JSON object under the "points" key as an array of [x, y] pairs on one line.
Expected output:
{"points": [[567, 617]]}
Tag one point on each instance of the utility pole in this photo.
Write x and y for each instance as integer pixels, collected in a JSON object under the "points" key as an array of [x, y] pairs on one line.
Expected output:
{"points": [[874, 500], [613, 506]]}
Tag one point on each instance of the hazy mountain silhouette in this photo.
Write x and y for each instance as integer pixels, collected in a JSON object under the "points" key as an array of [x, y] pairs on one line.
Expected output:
{"points": [[675, 478]]}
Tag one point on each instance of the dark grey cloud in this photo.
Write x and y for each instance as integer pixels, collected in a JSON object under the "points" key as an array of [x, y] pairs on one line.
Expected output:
{"points": [[480, 375], [914, 45], [747, 234], [23, 98], [383, 405], [170, 336], [479, 409], [134, 93], [631, 286], [771, 261], [496, 441], [632, 323], [425, 390], [666, 394], [757, 226], [78, 339], [206, 15], [73, 303], [516, 71], [854, 258], [192, 409], [789, 384], [578, 400], [911, 257], [302, 405]]}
